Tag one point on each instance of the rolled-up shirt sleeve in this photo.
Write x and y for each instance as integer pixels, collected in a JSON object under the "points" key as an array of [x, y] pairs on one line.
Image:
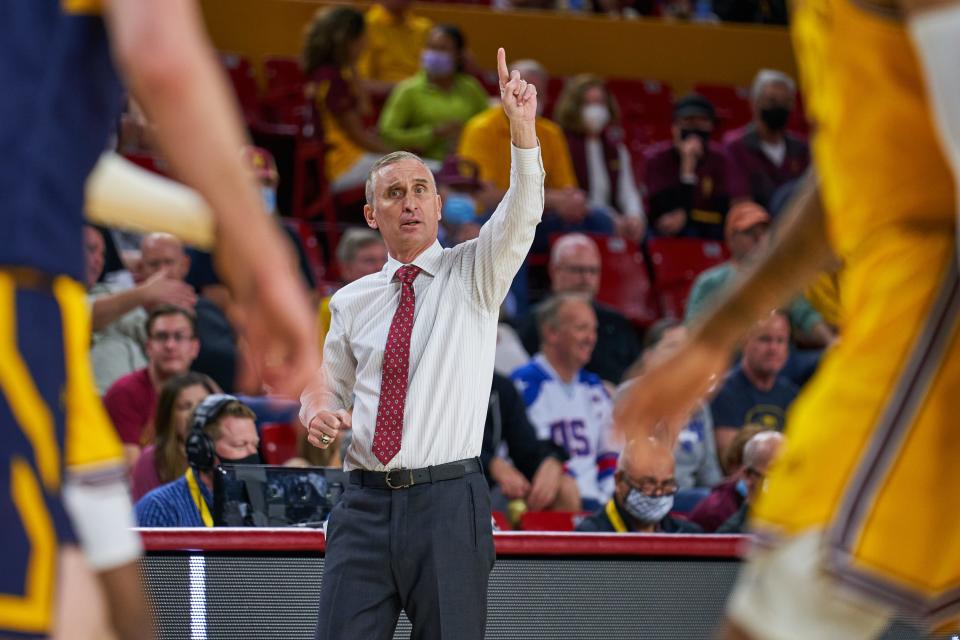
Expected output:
{"points": [[505, 239]]}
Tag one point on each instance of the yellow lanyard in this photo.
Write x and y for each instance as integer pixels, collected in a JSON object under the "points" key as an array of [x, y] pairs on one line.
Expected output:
{"points": [[198, 499], [614, 516]]}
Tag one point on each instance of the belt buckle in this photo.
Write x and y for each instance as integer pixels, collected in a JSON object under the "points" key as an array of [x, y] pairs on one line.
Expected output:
{"points": [[399, 485]]}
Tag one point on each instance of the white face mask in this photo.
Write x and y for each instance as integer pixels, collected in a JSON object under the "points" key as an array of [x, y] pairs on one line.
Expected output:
{"points": [[595, 117], [647, 509]]}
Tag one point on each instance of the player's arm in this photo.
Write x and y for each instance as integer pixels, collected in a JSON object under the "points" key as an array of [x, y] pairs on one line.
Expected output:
{"points": [[934, 26], [668, 392], [170, 67]]}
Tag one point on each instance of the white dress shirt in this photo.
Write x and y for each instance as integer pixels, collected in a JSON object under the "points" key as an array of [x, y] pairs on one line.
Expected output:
{"points": [[628, 196], [458, 296]]}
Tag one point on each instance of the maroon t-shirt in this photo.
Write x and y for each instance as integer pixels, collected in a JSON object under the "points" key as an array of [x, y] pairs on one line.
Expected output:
{"points": [[131, 402], [722, 502], [753, 174]]}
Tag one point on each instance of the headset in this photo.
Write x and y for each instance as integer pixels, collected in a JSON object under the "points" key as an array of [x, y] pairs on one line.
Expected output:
{"points": [[200, 451]]}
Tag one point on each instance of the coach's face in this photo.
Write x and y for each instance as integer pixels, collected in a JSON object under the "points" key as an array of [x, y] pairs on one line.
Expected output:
{"points": [[405, 208]]}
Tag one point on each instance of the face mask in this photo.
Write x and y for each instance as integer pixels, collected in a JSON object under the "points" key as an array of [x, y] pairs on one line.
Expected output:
{"points": [[742, 487], [703, 135], [459, 208], [253, 458], [775, 117], [436, 63], [647, 509], [269, 195], [595, 117]]}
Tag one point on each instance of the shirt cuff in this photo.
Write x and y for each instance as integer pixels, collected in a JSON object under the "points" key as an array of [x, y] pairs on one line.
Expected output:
{"points": [[526, 161]]}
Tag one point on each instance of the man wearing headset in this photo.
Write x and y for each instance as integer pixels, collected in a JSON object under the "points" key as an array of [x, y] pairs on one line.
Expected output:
{"points": [[222, 431]]}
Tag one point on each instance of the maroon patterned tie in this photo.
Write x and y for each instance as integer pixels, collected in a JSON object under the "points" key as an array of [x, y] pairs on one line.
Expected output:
{"points": [[396, 367]]}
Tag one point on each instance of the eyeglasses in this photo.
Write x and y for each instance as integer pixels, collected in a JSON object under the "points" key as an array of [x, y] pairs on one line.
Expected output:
{"points": [[650, 487], [161, 337], [580, 271]]}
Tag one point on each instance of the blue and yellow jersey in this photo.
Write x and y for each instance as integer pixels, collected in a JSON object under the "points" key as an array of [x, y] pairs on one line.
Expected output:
{"points": [[59, 98], [875, 145]]}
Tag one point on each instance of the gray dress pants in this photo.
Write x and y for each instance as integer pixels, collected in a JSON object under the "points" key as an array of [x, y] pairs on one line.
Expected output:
{"points": [[426, 549]]}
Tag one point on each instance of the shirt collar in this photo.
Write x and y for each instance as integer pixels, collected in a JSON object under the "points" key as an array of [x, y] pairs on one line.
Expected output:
{"points": [[428, 261]]}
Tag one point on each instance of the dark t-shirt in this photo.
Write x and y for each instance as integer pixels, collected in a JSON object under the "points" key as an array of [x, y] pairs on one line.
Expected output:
{"points": [[740, 403]]}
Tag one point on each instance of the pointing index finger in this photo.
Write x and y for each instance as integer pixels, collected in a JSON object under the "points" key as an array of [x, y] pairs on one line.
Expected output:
{"points": [[502, 67]]}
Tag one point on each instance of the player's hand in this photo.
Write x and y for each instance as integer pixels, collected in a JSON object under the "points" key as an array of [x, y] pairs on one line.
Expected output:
{"points": [[279, 327], [512, 483], [672, 222], [324, 427], [518, 97], [660, 401], [160, 288], [545, 485], [572, 206]]}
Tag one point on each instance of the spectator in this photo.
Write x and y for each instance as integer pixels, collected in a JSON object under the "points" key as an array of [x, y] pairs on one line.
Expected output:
{"points": [[188, 500], [695, 452], [335, 41], [485, 142], [688, 177], [643, 496], [218, 357], [755, 391], [131, 401], [759, 453], [395, 38], [575, 267], [566, 404], [763, 155], [590, 118], [360, 252], [202, 276], [458, 182], [426, 112], [118, 316], [164, 457], [529, 469], [726, 498], [747, 231]]}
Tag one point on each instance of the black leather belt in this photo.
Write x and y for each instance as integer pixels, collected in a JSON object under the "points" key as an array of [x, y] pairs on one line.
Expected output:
{"points": [[403, 478]]}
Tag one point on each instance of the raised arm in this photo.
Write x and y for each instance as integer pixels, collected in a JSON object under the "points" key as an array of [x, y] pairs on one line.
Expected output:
{"points": [[506, 238], [666, 394]]}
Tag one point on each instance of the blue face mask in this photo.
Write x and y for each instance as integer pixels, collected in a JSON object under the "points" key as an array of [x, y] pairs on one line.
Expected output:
{"points": [[742, 488], [459, 208], [648, 509], [269, 195]]}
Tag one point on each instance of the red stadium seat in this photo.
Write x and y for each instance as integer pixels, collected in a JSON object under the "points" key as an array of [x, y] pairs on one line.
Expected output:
{"points": [[676, 263], [647, 108], [311, 246], [732, 105], [278, 442], [551, 520], [625, 280], [244, 84]]}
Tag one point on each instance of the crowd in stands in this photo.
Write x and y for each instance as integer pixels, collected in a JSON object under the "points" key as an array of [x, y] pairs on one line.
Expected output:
{"points": [[164, 328]]}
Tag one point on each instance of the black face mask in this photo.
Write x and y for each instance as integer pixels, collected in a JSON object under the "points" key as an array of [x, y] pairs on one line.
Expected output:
{"points": [[253, 458], [775, 117], [703, 135]]}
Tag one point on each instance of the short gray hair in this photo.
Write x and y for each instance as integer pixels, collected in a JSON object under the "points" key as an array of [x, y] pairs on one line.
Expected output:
{"points": [[769, 76], [568, 241], [760, 448], [548, 313], [386, 161], [353, 240]]}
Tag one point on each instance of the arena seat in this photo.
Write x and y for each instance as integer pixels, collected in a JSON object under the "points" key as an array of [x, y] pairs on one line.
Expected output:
{"points": [[278, 442], [676, 262], [240, 71], [732, 105], [647, 108], [551, 520], [625, 280]]}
